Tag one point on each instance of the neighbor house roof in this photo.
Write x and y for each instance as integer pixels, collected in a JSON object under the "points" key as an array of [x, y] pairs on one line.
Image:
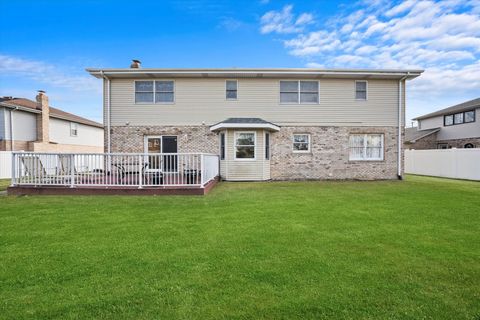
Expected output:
{"points": [[413, 134], [240, 123], [255, 73], [464, 106], [31, 106]]}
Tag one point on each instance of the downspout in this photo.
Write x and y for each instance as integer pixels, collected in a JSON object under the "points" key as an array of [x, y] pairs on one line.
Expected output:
{"points": [[399, 150], [108, 111]]}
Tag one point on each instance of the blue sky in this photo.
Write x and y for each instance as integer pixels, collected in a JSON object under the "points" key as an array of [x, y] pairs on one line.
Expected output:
{"points": [[48, 44]]}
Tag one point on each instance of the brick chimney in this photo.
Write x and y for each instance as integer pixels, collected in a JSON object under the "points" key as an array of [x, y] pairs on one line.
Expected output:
{"points": [[43, 119], [135, 64]]}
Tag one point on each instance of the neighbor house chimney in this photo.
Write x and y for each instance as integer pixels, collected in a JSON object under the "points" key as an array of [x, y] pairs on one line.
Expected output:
{"points": [[43, 118], [135, 64]]}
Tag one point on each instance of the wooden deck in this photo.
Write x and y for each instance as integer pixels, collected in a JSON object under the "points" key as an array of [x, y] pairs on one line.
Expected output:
{"points": [[111, 190]]}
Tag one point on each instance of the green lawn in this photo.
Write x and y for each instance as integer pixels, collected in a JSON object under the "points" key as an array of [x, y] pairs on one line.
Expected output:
{"points": [[4, 183], [302, 250]]}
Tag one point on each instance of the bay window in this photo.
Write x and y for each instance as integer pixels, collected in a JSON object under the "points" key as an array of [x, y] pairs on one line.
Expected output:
{"points": [[245, 145]]}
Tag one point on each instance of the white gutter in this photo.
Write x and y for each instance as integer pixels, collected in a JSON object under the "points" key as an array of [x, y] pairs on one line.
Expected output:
{"points": [[399, 150], [107, 95]]}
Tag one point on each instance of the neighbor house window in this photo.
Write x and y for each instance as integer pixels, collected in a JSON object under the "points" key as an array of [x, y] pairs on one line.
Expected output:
{"points": [[469, 146], [267, 146], [154, 91], [301, 143], [222, 146], [73, 129], [245, 145], [299, 92], [231, 87], [448, 120], [366, 147], [469, 116], [443, 146], [361, 90], [459, 118]]}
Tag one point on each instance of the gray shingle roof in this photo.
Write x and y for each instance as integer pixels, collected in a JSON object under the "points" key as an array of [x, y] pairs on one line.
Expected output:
{"points": [[464, 106], [245, 120], [413, 134]]}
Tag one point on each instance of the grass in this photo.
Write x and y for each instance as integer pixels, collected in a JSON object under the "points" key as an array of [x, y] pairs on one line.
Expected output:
{"points": [[298, 250], [4, 183]]}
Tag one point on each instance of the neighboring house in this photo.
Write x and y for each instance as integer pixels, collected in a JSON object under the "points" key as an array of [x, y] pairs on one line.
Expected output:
{"points": [[453, 127], [35, 126], [279, 124]]}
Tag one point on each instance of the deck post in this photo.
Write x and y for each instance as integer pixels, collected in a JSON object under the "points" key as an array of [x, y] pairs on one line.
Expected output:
{"points": [[140, 172], [202, 169], [72, 170], [12, 183]]}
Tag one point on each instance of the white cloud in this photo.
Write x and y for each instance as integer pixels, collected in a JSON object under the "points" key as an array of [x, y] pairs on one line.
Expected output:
{"points": [[45, 73], [442, 37], [284, 21]]}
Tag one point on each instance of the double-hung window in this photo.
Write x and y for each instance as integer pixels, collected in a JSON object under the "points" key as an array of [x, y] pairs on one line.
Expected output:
{"points": [[301, 143], [161, 91], [366, 147], [299, 92], [361, 90], [222, 146], [245, 145], [73, 129], [231, 89]]}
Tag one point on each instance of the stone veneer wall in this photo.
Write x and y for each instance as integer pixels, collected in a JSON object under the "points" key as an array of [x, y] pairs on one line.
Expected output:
{"points": [[190, 138], [460, 143], [328, 158], [429, 142], [329, 155]]}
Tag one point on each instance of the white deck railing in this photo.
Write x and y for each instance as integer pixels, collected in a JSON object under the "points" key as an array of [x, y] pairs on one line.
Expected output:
{"points": [[114, 169]]}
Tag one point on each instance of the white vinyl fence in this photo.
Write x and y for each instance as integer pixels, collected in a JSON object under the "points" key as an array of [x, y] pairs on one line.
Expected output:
{"points": [[5, 164], [448, 163]]}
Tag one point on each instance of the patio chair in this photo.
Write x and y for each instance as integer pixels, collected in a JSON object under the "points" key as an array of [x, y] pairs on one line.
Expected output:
{"points": [[67, 165], [37, 173]]}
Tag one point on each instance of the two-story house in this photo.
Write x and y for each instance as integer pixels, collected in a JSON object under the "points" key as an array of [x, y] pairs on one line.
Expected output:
{"points": [[457, 126], [27, 125], [278, 124]]}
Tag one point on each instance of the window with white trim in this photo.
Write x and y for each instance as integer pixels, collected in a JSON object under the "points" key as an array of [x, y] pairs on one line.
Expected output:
{"points": [[299, 92], [231, 88], [301, 143], [222, 146], [361, 90], [161, 91], [267, 146], [366, 147], [73, 129], [245, 145]]}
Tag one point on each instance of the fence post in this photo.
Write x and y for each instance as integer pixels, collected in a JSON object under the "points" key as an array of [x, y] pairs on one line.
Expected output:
{"points": [[12, 183], [202, 170], [72, 170]]}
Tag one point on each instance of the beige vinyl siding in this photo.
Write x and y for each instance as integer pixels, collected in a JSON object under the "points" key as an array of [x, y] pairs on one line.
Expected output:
{"points": [[244, 170], [200, 101]]}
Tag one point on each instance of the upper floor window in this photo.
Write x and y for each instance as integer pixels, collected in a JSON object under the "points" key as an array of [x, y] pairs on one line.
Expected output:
{"points": [[73, 129], [161, 91], [459, 118], [366, 147], [299, 92], [361, 90], [231, 88], [301, 143]]}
